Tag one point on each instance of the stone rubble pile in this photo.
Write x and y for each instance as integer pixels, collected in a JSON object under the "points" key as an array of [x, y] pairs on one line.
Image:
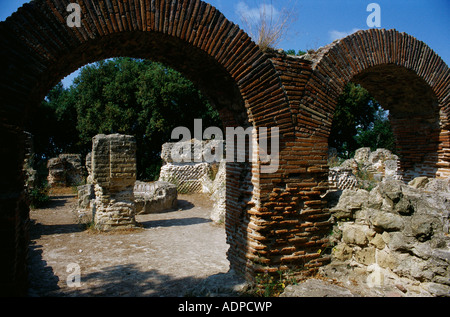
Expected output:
{"points": [[396, 234], [367, 167]]}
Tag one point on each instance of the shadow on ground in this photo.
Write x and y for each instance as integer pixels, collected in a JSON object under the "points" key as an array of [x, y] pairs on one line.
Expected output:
{"points": [[129, 281], [125, 280]]}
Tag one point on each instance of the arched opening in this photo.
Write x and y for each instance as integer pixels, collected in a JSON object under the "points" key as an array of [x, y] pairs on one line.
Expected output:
{"points": [[414, 115], [403, 83], [362, 147], [168, 248], [410, 81], [189, 36]]}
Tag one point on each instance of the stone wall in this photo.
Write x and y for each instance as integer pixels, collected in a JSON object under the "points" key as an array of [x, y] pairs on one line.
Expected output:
{"points": [[195, 175], [188, 171], [364, 170], [218, 194], [396, 234]]}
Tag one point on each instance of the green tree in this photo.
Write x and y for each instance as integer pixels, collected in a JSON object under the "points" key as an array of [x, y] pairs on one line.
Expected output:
{"points": [[292, 52], [378, 135], [356, 116], [52, 124]]}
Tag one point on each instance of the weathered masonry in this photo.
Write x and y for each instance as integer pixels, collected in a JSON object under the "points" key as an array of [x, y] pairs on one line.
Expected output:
{"points": [[273, 221]]}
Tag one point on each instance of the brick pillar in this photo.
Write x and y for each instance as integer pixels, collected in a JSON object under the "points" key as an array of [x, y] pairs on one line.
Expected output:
{"points": [[114, 176]]}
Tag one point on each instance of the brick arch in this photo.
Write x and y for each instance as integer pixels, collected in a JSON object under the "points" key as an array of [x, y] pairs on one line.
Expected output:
{"points": [[406, 76], [39, 49]]}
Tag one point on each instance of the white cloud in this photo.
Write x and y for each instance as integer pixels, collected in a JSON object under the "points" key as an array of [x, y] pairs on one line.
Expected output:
{"points": [[254, 14], [335, 34]]}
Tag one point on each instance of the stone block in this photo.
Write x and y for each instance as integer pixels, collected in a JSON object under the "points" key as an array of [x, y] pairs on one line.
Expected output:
{"points": [[388, 222], [86, 196], [356, 234], [155, 197], [342, 252]]}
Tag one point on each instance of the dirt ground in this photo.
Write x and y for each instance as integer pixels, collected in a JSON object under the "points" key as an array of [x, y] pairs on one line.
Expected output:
{"points": [[179, 253], [174, 254]]}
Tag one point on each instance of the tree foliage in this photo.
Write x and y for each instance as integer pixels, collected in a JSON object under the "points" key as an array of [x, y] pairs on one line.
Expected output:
{"points": [[123, 95], [359, 121]]}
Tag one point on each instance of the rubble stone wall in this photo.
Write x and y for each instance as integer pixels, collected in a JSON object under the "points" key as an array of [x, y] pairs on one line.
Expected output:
{"points": [[366, 168], [397, 234]]}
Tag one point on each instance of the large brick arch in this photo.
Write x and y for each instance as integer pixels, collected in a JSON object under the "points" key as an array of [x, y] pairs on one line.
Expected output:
{"points": [[406, 76], [39, 49], [276, 221]]}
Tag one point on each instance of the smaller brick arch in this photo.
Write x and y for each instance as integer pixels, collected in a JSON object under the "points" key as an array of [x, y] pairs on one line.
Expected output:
{"points": [[407, 77]]}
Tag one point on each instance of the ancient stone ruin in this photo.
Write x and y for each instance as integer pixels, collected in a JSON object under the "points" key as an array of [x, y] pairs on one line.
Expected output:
{"points": [[364, 169], [396, 234], [155, 197], [193, 174], [114, 176], [188, 170], [112, 195], [274, 221], [65, 170]]}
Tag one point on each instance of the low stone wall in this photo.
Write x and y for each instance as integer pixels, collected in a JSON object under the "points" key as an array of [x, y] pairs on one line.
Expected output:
{"points": [[396, 234], [194, 175], [189, 170], [188, 178]]}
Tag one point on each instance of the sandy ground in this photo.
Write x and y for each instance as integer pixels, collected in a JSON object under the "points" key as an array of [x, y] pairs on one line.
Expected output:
{"points": [[174, 254], [180, 253]]}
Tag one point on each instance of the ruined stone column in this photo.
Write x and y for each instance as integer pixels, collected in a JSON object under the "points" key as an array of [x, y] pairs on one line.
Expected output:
{"points": [[114, 176]]}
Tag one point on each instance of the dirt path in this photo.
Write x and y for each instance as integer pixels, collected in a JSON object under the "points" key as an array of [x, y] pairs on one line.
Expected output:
{"points": [[175, 253]]}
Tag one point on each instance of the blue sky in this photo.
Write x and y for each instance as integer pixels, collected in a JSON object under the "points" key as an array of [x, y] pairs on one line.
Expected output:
{"points": [[319, 22]]}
